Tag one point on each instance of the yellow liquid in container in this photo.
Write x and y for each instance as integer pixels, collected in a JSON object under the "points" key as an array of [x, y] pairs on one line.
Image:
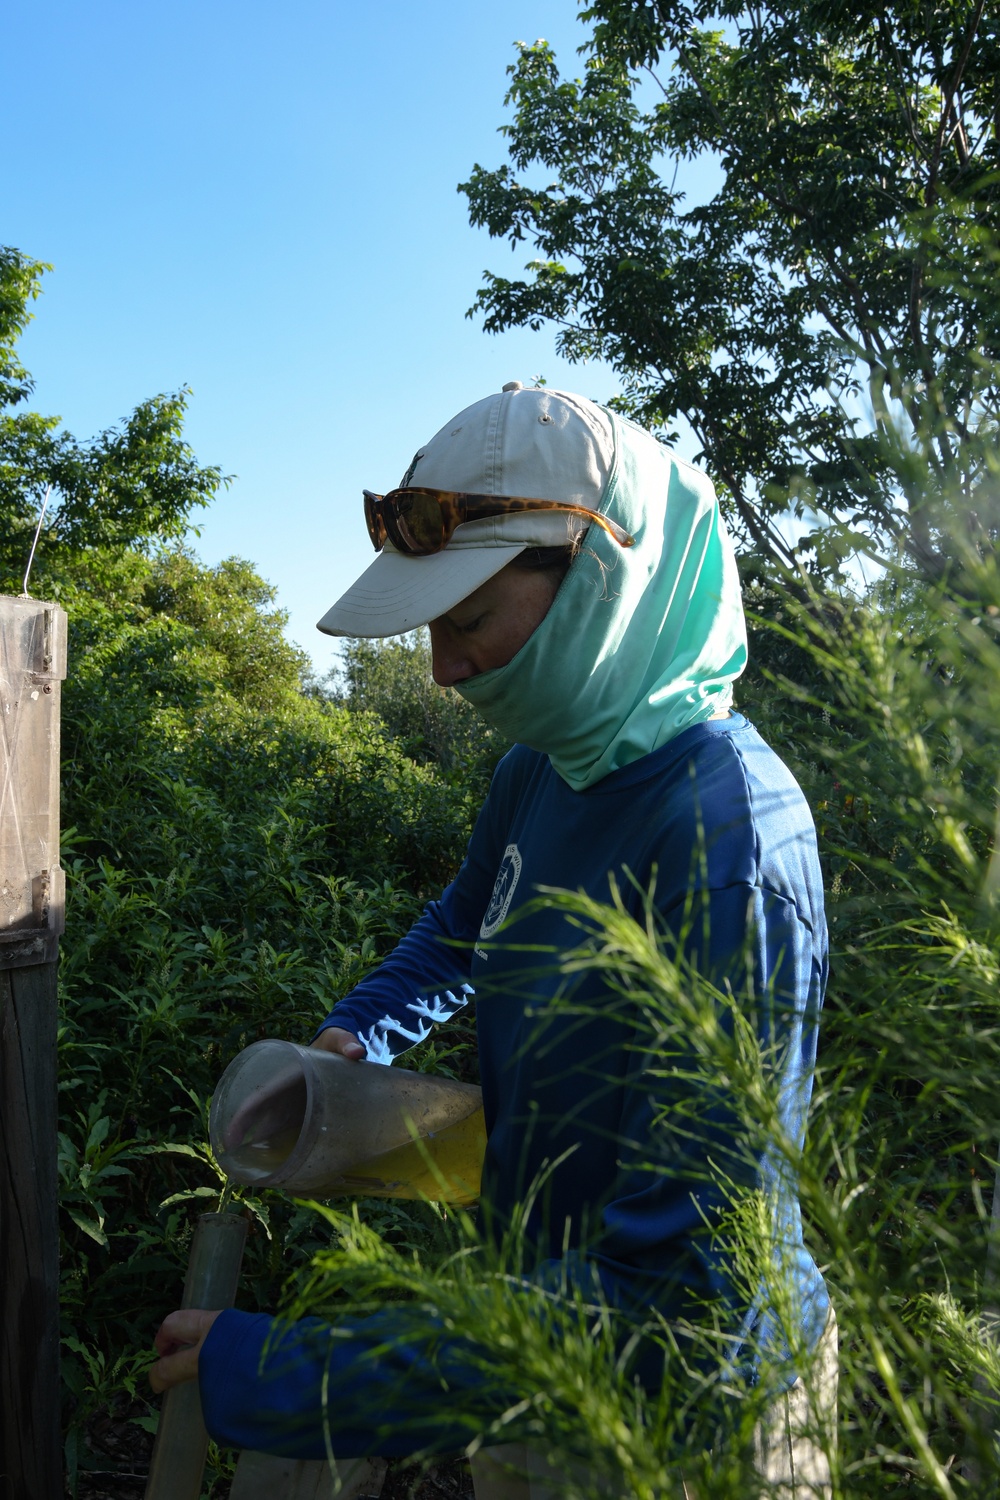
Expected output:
{"points": [[446, 1167]]}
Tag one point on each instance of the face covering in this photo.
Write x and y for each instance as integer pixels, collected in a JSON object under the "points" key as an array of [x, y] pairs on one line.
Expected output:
{"points": [[640, 642]]}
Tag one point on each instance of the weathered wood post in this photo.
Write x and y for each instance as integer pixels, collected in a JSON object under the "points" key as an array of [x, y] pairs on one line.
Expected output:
{"points": [[32, 665]]}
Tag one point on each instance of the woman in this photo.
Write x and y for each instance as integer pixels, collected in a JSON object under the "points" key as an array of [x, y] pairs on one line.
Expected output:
{"points": [[582, 593]]}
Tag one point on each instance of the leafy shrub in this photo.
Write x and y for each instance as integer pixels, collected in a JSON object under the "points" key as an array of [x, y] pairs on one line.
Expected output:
{"points": [[432, 725], [238, 855]]}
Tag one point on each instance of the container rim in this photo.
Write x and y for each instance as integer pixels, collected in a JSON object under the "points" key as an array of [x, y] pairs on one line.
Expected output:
{"points": [[224, 1089]]}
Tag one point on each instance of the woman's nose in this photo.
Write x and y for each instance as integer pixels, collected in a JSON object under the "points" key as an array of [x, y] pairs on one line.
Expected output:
{"points": [[449, 662]]}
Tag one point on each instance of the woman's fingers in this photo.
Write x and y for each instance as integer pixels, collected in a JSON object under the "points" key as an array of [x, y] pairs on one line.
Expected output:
{"points": [[178, 1342], [176, 1369], [336, 1039], [181, 1328]]}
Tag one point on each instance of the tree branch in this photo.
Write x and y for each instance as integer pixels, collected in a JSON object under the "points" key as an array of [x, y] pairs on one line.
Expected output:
{"points": [[948, 102]]}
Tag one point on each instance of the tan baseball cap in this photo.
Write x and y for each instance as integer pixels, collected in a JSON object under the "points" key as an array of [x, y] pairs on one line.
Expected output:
{"points": [[543, 444]]}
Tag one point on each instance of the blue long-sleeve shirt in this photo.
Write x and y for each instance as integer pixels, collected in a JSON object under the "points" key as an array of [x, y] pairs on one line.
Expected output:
{"points": [[714, 828]]}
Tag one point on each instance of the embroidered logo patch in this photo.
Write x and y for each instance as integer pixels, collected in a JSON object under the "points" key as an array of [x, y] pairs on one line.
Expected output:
{"points": [[503, 891]]}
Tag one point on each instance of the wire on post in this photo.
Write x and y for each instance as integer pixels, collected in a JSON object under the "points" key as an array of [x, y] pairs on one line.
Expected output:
{"points": [[38, 532]]}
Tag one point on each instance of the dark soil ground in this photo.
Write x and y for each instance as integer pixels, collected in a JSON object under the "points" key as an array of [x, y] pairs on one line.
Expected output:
{"points": [[114, 1462], [447, 1481]]}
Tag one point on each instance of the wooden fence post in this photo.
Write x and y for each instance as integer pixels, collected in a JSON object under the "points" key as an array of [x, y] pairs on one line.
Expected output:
{"points": [[32, 665]]}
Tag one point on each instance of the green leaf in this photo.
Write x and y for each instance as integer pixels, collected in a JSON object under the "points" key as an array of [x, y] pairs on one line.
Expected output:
{"points": [[91, 1227], [187, 1195]]}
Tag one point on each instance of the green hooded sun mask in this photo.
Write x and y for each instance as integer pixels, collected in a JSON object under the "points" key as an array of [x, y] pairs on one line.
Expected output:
{"points": [[640, 642]]}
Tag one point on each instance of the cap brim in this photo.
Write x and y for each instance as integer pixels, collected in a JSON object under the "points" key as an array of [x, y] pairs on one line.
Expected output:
{"points": [[400, 593]]}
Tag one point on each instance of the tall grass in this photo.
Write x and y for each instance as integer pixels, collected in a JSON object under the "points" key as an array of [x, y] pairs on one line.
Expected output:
{"points": [[887, 710]]}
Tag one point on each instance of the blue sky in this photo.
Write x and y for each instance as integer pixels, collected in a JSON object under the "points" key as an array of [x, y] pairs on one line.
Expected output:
{"points": [[259, 202]]}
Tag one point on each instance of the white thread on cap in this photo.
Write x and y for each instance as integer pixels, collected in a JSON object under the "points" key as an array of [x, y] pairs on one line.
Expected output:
{"points": [[512, 385]]}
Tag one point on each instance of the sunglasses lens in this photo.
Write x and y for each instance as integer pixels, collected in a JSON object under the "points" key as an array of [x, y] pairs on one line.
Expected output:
{"points": [[420, 522], [373, 520]]}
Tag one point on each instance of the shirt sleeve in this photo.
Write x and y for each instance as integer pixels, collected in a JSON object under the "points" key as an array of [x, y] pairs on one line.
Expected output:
{"points": [[425, 980], [382, 1385], [364, 1387]]}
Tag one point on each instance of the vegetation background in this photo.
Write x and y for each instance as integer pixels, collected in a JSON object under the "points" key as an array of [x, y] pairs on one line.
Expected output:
{"points": [[243, 842]]}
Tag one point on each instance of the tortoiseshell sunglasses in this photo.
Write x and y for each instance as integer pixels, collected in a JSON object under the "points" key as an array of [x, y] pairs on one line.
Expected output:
{"points": [[420, 521]]}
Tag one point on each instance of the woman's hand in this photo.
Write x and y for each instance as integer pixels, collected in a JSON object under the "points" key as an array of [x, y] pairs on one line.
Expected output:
{"points": [[178, 1343], [336, 1039]]}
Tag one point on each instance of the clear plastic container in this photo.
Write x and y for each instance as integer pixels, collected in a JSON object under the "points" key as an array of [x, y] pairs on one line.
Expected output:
{"points": [[314, 1124]]}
